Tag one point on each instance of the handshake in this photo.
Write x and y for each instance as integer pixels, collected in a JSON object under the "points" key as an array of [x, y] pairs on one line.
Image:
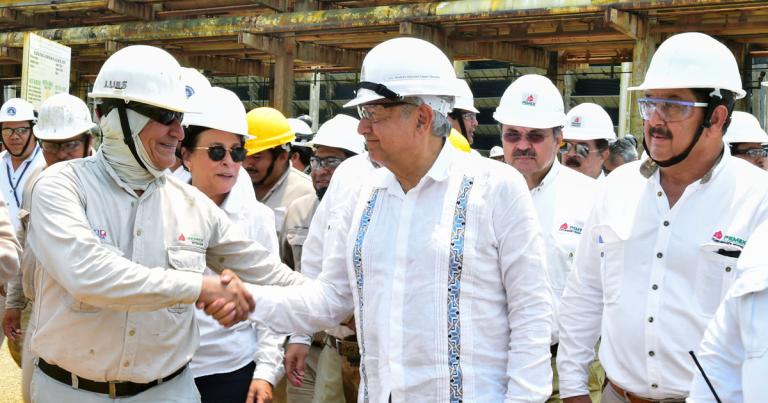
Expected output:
{"points": [[225, 298]]}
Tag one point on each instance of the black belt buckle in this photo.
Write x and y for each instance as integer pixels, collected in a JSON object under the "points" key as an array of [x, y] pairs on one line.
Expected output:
{"points": [[112, 389]]}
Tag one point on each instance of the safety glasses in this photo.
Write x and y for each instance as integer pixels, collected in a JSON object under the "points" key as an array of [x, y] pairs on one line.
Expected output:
{"points": [[374, 112], [54, 147], [469, 116], [217, 153], [669, 110], [160, 115], [533, 137], [327, 162], [753, 152], [19, 131], [580, 149]]}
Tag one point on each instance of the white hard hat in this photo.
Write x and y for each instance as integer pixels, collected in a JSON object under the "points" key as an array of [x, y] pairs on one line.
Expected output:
{"points": [[496, 151], [693, 60], [299, 127], [744, 128], [221, 109], [402, 67], [17, 110], [63, 116], [465, 101], [143, 74], [340, 132], [531, 101], [588, 121], [194, 81]]}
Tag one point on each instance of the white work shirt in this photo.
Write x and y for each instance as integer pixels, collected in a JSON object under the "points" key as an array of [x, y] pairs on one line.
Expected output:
{"points": [[563, 201], [734, 350], [447, 281], [12, 181], [648, 278], [118, 273], [222, 349]]}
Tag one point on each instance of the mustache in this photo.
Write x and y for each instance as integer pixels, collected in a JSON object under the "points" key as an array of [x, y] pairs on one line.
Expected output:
{"points": [[573, 162], [524, 153], [659, 132]]}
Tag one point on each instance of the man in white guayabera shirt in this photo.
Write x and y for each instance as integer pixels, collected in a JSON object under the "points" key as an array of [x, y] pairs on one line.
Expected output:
{"points": [[659, 250], [440, 255]]}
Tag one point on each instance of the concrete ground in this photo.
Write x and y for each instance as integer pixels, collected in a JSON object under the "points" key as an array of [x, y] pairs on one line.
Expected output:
{"points": [[10, 377]]}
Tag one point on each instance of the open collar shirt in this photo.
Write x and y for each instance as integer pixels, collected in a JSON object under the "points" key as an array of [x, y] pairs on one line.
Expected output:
{"points": [[12, 181], [647, 278], [118, 273], [447, 281]]}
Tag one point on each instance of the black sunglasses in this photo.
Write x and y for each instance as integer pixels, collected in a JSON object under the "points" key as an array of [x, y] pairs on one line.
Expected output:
{"points": [[217, 153], [160, 115]]}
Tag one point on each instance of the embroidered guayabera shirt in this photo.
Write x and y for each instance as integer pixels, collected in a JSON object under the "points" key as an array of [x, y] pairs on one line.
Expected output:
{"points": [[648, 278], [447, 282]]}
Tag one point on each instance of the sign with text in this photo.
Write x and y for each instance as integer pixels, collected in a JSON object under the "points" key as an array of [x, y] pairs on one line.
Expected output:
{"points": [[44, 69]]}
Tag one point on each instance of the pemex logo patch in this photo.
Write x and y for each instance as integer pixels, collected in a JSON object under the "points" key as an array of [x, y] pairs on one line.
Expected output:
{"points": [[11, 111], [194, 240], [529, 99], [725, 239], [182, 238], [576, 121], [570, 228]]}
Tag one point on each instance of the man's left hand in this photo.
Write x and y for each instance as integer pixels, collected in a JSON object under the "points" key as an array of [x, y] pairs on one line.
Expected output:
{"points": [[260, 391]]}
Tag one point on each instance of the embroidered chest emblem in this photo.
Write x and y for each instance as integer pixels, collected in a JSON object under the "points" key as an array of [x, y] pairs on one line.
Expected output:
{"points": [[570, 228], [725, 239]]}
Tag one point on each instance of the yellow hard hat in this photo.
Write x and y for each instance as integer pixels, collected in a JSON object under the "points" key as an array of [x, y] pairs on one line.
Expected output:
{"points": [[458, 141], [269, 128]]}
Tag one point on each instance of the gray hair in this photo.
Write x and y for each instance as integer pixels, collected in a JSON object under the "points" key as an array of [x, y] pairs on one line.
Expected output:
{"points": [[623, 148], [441, 126]]}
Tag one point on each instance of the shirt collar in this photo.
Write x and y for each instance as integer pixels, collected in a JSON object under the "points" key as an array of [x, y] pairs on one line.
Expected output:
{"points": [[439, 171], [279, 182], [554, 170], [649, 168]]}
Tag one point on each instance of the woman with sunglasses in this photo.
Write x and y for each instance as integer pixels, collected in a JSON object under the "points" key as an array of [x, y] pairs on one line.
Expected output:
{"points": [[230, 362]]}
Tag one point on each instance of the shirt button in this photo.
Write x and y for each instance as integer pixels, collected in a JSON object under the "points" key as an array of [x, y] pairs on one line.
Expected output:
{"points": [[659, 194], [126, 364], [650, 319], [728, 269], [659, 255], [132, 333], [666, 223], [139, 232], [651, 353], [602, 254], [571, 255], [653, 385], [655, 287]]}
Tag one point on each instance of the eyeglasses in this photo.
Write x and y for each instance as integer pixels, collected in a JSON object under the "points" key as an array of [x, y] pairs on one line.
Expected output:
{"points": [[469, 116], [54, 147], [669, 110], [534, 137], [327, 162], [370, 111], [19, 131], [580, 148], [217, 153], [752, 152], [159, 115]]}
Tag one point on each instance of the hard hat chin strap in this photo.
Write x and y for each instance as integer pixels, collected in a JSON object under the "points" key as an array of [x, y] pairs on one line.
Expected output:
{"points": [[127, 137], [381, 89], [712, 104], [459, 118]]}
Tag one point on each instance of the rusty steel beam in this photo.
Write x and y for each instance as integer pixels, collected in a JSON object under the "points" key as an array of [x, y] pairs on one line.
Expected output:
{"points": [[262, 43], [136, 10], [330, 55], [47, 6], [502, 51], [225, 65], [625, 22], [15, 17], [14, 54]]}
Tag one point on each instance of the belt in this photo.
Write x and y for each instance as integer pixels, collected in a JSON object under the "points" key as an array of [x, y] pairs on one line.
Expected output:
{"points": [[113, 389], [633, 398], [345, 348]]}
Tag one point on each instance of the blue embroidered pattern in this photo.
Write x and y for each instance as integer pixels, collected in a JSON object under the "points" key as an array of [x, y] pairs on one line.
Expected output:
{"points": [[454, 290], [357, 261]]}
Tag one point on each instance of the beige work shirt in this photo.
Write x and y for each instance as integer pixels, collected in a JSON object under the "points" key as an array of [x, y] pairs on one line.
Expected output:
{"points": [[292, 185], [118, 273], [10, 251], [297, 219]]}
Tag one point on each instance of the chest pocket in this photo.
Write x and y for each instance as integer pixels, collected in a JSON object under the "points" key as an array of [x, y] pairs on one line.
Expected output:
{"points": [[611, 249], [185, 258], [714, 275]]}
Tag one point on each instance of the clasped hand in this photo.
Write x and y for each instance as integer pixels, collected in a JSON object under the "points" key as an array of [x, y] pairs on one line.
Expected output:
{"points": [[225, 298]]}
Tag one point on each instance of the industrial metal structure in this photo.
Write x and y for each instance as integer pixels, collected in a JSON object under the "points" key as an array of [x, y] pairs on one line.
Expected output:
{"points": [[278, 47]]}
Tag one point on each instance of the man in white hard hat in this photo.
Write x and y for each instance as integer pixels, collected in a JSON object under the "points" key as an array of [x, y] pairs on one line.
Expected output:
{"points": [[121, 249], [336, 141], [22, 153], [463, 117], [620, 152], [496, 153], [63, 130], [300, 151], [747, 140], [660, 248], [587, 133], [450, 296], [531, 115]]}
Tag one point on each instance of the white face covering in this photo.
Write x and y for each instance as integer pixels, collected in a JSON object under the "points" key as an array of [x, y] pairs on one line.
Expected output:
{"points": [[119, 156]]}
